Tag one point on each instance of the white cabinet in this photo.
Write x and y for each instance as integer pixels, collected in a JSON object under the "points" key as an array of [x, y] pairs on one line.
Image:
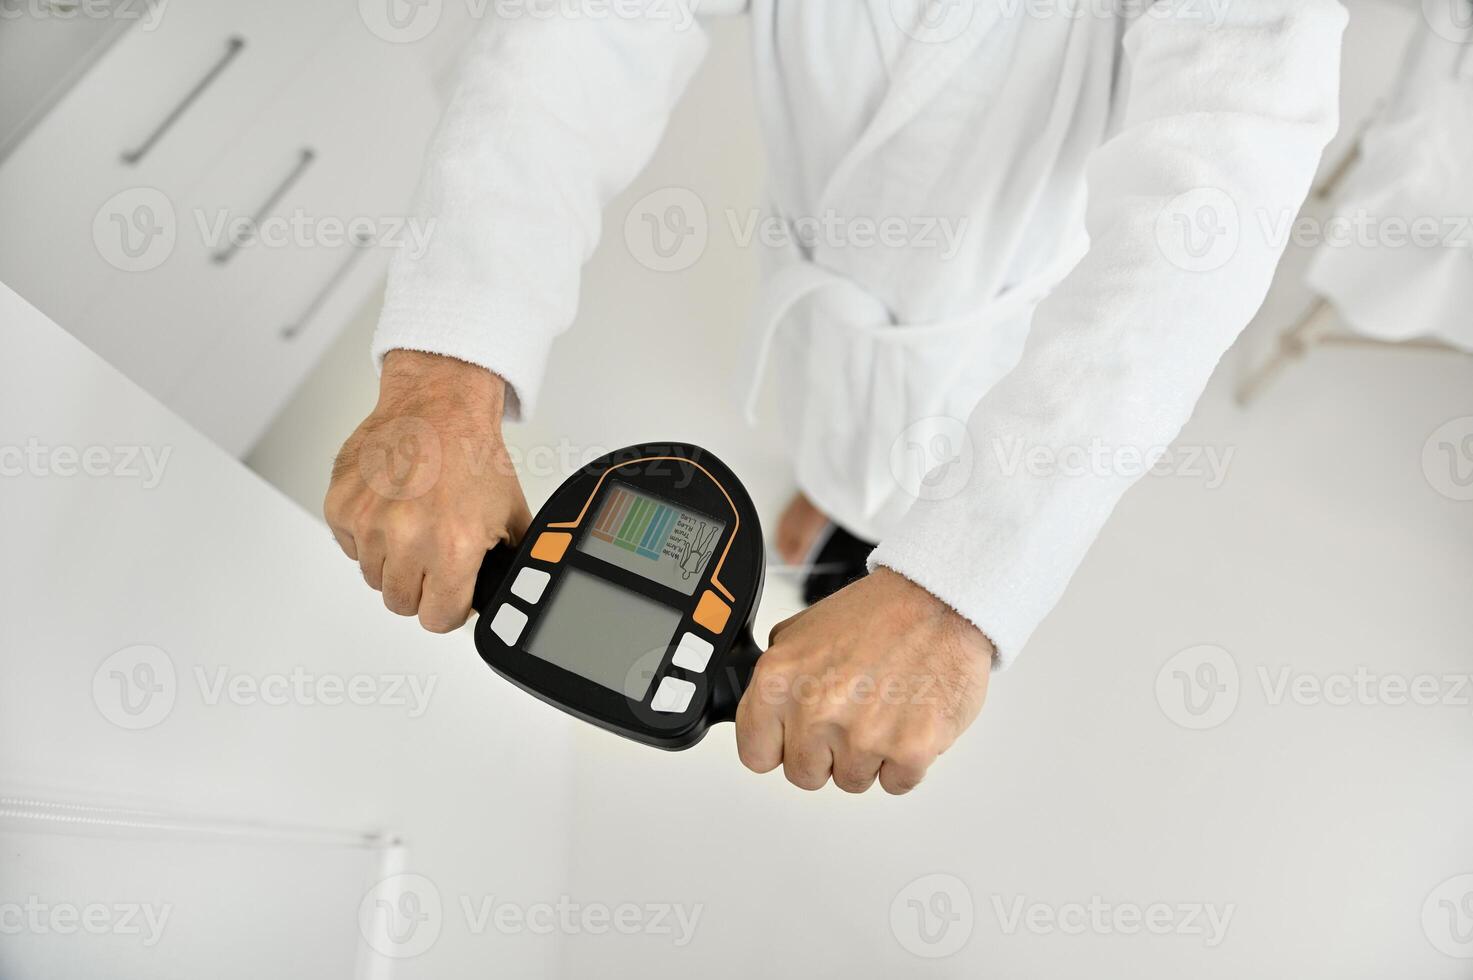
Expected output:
{"points": [[289, 113]]}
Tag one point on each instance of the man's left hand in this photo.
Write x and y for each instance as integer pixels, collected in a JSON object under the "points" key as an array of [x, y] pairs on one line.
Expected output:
{"points": [[873, 682]]}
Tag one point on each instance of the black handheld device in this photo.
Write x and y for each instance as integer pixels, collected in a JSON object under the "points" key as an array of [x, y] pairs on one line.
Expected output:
{"points": [[630, 601]]}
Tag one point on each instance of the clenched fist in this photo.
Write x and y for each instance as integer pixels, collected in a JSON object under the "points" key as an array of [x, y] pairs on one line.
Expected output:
{"points": [[873, 682], [424, 487]]}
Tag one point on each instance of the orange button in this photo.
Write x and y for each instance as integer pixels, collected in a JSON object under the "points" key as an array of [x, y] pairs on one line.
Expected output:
{"points": [[551, 546], [711, 612]]}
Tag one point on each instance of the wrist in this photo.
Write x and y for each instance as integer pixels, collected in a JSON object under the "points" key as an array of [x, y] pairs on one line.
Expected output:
{"points": [[929, 609], [414, 380]]}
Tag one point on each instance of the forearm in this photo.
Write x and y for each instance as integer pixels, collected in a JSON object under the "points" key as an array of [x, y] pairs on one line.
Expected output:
{"points": [[1119, 354], [551, 118]]}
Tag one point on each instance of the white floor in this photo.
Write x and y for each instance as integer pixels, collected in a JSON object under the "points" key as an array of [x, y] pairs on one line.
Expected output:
{"points": [[1324, 830]]}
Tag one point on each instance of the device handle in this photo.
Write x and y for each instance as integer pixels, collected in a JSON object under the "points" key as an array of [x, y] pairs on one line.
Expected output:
{"points": [[495, 567], [731, 682]]}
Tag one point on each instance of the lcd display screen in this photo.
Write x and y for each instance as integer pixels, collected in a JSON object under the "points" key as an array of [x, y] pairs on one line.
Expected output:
{"points": [[605, 633], [650, 537]]}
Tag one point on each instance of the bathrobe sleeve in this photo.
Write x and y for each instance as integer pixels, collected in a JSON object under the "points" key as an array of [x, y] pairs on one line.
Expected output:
{"points": [[551, 118], [1222, 131]]}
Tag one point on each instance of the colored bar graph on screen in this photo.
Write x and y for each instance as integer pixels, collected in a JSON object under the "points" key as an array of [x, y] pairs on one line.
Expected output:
{"points": [[635, 523]]}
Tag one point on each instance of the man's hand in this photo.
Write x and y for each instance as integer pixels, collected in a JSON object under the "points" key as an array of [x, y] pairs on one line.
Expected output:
{"points": [[873, 682], [424, 487]]}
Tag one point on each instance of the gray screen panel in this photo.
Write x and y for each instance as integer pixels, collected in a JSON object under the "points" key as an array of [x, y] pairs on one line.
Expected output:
{"points": [[606, 633]]}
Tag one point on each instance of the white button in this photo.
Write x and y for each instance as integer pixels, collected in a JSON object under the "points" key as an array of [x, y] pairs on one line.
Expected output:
{"points": [[530, 583], [693, 653], [509, 623], [673, 695]]}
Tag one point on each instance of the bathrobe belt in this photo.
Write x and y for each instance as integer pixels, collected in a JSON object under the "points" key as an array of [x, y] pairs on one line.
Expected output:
{"points": [[870, 322]]}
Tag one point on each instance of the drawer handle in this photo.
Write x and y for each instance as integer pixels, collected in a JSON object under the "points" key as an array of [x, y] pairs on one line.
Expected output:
{"points": [[304, 160], [361, 241], [232, 48]]}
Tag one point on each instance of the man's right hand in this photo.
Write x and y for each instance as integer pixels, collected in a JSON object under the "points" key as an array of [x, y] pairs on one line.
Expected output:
{"points": [[424, 487]]}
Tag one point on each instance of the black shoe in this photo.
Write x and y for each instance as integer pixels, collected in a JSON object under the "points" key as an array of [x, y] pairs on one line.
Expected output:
{"points": [[837, 561]]}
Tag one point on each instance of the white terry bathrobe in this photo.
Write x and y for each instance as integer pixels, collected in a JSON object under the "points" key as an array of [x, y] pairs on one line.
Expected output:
{"points": [[996, 112]]}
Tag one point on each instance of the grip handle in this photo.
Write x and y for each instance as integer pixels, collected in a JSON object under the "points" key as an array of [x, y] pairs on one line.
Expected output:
{"points": [[731, 683], [495, 567]]}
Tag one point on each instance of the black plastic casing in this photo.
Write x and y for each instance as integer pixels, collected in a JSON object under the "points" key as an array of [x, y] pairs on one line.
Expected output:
{"points": [[685, 476]]}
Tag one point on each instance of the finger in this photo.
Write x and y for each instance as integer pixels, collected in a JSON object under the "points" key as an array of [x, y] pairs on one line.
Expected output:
{"points": [[900, 776], [445, 602], [759, 730], [372, 552], [807, 758], [856, 771], [345, 541], [403, 582]]}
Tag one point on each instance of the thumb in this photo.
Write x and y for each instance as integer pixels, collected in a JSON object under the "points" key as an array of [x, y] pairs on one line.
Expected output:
{"points": [[785, 624], [518, 522]]}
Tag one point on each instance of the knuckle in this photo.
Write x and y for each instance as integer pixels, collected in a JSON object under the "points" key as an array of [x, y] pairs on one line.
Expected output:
{"points": [[899, 786], [405, 531], [373, 576], [865, 742], [805, 780], [458, 547], [367, 527], [440, 621], [757, 760], [912, 757], [805, 769], [400, 599]]}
